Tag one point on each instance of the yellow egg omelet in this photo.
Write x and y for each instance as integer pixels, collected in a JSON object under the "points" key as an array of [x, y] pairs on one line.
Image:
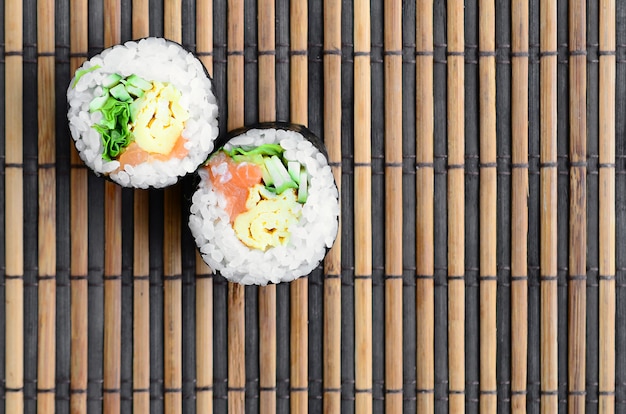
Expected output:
{"points": [[268, 218], [160, 119]]}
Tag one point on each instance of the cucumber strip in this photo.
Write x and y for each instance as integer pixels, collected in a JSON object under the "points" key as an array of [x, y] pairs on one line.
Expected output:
{"points": [[267, 178], [285, 185], [81, 72], [119, 92], [97, 103], [138, 82], [134, 91], [294, 170], [279, 174], [111, 80], [303, 188]]}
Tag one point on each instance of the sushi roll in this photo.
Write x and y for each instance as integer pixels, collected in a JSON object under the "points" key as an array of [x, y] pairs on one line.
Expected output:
{"points": [[143, 113], [266, 209]]}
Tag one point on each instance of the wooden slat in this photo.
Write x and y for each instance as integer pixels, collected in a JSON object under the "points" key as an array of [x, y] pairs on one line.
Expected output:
{"points": [[299, 335], [46, 307], [236, 292], [456, 218], [362, 209], [577, 305], [487, 205], [141, 262], [606, 200], [393, 203], [424, 198], [204, 337], [78, 233], [267, 294], [332, 263], [141, 304], [172, 260], [548, 219], [519, 205], [204, 280], [14, 209], [112, 252]]}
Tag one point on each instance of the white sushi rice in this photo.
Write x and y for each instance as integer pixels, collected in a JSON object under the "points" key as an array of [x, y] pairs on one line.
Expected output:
{"points": [[155, 60], [315, 231]]}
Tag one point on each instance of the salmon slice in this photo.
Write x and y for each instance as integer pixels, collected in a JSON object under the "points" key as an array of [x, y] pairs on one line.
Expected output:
{"points": [[235, 182], [134, 155]]}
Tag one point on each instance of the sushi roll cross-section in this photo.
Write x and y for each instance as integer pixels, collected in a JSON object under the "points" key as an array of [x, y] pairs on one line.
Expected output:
{"points": [[143, 113], [267, 207]]}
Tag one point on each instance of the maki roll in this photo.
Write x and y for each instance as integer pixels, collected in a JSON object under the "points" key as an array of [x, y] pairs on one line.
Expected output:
{"points": [[143, 113], [267, 207]]}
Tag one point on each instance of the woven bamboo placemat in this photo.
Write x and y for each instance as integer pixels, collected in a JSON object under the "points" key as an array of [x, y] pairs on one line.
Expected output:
{"points": [[478, 147]]}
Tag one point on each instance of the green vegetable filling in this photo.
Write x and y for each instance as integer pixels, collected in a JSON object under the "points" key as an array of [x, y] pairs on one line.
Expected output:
{"points": [[279, 174], [118, 107], [81, 72]]}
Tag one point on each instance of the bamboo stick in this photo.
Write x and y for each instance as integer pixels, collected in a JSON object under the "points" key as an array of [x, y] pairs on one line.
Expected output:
{"points": [[267, 294], [548, 195], [519, 205], [172, 296], [112, 252], [140, 18], [236, 292], [78, 233], [141, 262], [112, 296], [204, 337], [332, 263], [424, 235], [362, 209], [456, 219], [172, 269], [606, 197], [204, 277], [141, 304], [14, 209], [299, 337], [577, 306], [46, 345], [393, 206], [488, 207]]}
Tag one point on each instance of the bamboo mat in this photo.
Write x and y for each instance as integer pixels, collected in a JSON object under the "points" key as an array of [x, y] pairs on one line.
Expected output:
{"points": [[478, 147]]}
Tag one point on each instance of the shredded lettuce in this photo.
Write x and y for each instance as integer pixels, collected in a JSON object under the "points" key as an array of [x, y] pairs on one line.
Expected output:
{"points": [[113, 128], [265, 149], [116, 106]]}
